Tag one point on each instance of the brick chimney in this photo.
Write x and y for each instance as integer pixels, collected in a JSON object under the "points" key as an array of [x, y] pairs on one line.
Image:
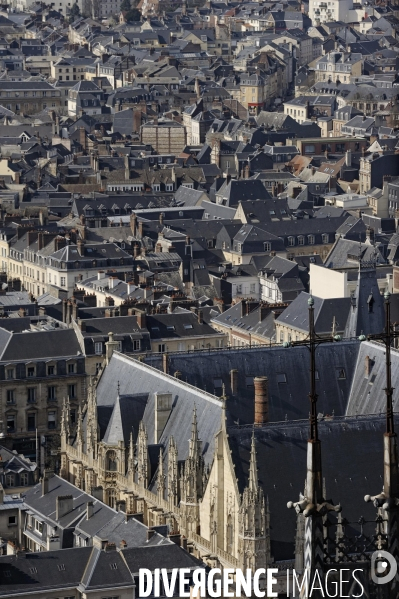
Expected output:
{"points": [[261, 384], [141, 320]]}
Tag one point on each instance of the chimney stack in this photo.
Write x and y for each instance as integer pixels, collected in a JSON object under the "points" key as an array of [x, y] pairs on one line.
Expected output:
{"points": [[234, 381], [89, 510], [133, 223], [165, 363], [63, 505], [261, 384], [80, 245], [150, 534], [44, 484]]}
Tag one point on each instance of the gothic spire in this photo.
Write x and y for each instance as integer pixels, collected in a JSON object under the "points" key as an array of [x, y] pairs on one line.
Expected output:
{"points": [[194, 451], [253, 470], [313, 504], [64, 421], [366, 315], [130, 463], [160, 476], [79, 429]]}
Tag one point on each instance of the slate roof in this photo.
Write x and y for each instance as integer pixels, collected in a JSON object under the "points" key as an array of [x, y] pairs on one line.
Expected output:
{"points": [[255, 322], [367, 312], [132, 374], [325, 310], [208, 370], [367, 394], [34, 571], [12, 462], [130, 530], [45, 505], [127, 412], [162, 556], [239, 190], [105, 569], [281, 461], [346, 253], [34, 345]]}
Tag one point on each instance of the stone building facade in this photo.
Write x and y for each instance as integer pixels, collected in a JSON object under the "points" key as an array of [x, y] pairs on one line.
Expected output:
{"points": [[198, 499], [172, 454]]}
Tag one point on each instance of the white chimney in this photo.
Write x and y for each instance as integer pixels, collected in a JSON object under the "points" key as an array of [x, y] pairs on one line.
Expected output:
{"points": [[112, 282]]}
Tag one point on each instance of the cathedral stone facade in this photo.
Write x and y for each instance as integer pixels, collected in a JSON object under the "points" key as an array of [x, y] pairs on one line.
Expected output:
{"points": [[170, 453], [199, 500]]}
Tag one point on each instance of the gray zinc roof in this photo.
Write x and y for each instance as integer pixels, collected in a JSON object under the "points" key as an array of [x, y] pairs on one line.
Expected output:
{"points": [[286, 369], [367, 395], [134, 375]]}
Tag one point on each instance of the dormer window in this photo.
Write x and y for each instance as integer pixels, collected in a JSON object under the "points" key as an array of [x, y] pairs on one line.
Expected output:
{"points": [[291, 241], [267, 246]]}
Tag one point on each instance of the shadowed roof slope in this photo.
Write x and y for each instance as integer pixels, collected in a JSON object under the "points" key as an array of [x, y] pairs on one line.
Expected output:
{"points": [[281, 460]]}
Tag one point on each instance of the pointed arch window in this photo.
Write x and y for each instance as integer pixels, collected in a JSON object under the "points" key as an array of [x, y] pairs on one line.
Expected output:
{"points": [[111, 461]]}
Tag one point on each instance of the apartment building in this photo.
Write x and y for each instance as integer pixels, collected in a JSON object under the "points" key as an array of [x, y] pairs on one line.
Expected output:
{"points": [[38, 369], [29, 96]]}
